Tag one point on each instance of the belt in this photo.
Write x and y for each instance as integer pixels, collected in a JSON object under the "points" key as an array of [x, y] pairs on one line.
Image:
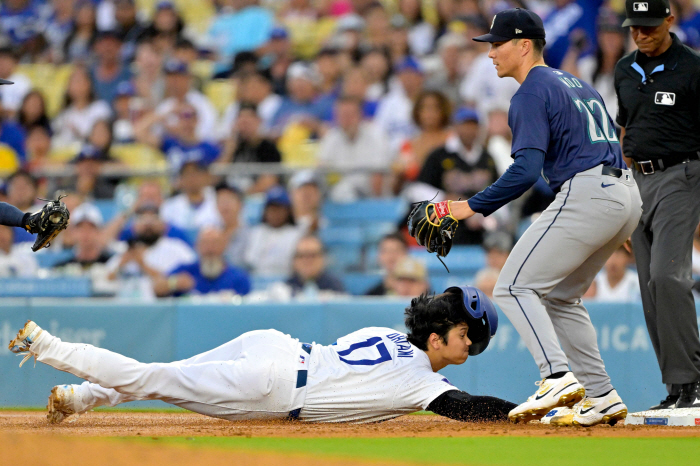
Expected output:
{"points": [[612, 171], [649, 167], [301, 381]]}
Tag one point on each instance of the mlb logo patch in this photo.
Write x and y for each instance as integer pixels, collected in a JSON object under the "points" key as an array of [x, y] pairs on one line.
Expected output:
{"points": [[665, 98], [640, 6]]}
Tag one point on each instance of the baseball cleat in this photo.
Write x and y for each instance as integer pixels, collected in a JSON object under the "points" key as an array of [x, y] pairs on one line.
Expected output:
{"points": [[61, 404], [668, 403], [562, 415], [606, 409], [689, 396], [24, 339], [553, 393]]}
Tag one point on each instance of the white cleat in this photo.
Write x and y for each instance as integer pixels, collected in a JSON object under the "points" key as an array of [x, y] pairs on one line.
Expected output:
{"points": [[23, 341], [606, 409], [557, 415], [553, 393], [62, 404]]}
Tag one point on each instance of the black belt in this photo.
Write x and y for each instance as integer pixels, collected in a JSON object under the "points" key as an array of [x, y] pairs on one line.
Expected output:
{"points": [[612, 171], [649, 167], [301, 381]]}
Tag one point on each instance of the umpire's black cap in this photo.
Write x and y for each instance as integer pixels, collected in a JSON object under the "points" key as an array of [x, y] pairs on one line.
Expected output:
{"points": [[515, 23], [5, 81], [649, 13]]}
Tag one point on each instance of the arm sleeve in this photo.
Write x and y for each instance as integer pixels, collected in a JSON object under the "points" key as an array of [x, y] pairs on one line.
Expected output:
{"points": [[462, 406], [519, 177], [11, 216]]}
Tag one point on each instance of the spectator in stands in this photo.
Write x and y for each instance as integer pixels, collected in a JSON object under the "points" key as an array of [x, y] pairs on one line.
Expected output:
{"points": [[247, 145], [598, 68], [329, 70], [180, 141], [309, 275], [567, 23], [149, 255], [377, 66], [409, 278], [58, 28], [209, 274], [38, 149], [90, 244], [399, 47], [357, 147], [81, 109], [195, 206], [271, 243], [299, 105], [78, 44], [306, 190], [32, 111], [461, 168], [355, 84], [178, 85], [497, 245], [431, 114], [244, 28], [256, 89], [421, 34], [448, 72], [124, 114], [149, 193], [166, 28], [275, 58], [229, 202], [377, 32], [12, 136], [109, 69], [616, 282], [101, 137], [486, 279], [394, 111], [15, 261], [22, 188], [148, 81], [21, 21], [129, 27], [688, 21], [11, 96], [90, 181], [392, 249]]}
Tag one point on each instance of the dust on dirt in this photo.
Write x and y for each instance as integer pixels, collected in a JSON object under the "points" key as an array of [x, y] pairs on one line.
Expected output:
{"points": [[128, 424]]}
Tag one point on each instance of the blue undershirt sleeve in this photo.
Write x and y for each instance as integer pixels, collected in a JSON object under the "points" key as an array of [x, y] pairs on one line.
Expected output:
{"points": [[519, 177], [10, 215]]}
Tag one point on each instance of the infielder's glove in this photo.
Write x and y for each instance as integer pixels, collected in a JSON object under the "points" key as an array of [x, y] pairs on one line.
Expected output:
{"points": [[436, 234], [48, 223]]}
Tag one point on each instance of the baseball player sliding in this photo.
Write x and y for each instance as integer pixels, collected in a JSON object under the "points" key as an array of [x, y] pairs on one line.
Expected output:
{"points": [[562, 132], [373, 374]]}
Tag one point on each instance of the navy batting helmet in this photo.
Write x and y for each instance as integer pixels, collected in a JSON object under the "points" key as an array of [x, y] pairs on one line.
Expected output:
{"points": [[481, 317]]}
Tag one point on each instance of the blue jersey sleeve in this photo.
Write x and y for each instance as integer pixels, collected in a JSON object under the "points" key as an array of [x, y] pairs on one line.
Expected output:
{"points": [[528, 120], [10, 215], [519, 177]]}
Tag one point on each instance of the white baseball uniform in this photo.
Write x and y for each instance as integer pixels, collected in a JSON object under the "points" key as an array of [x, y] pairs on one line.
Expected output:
{"points": [[369, 375]]}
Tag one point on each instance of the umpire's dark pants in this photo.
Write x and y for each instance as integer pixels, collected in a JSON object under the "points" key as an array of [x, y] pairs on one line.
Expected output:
{"points": [[663, 249]]}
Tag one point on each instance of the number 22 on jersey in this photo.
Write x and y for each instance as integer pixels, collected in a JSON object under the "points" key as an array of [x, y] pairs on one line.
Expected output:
{"points": [[597, 132]]}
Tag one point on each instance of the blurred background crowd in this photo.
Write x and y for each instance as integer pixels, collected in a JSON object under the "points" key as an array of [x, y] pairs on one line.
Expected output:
{"points": [[270, 149]]}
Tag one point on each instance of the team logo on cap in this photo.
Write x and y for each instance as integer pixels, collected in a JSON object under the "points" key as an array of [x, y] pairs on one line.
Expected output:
{"points": [[640, 6], [665, 98], [518, 31]]}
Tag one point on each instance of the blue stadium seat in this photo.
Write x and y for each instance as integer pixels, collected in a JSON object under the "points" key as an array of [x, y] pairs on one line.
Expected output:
{"points": [[63, 287], [352, 236], [465, 260], [384, 210], [345, 257], [359, 283], [442, 282]]}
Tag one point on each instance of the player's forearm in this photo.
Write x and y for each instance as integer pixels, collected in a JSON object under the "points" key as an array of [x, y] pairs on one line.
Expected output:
{"points": [[519, 177], [462, 406], [11, 216]]}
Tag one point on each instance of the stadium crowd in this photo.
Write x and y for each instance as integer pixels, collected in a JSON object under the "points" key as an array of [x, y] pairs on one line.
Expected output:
{"points": [[206, 145]]}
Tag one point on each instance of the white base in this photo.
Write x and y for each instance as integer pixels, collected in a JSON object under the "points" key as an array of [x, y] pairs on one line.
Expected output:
{"points": [[665, 417]]}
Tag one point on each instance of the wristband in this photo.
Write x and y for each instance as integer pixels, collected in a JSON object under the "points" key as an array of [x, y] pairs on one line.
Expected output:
{"points": [[442, 209]]}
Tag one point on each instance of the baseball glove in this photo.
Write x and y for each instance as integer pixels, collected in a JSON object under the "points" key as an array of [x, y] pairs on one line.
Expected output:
{"points": [[433, 226], [48, 223]]}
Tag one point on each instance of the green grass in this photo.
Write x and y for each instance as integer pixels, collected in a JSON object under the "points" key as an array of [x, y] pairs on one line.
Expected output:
{"points": [[521, 451]]}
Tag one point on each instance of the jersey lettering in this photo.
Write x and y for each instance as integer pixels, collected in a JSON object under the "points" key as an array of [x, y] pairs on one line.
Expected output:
{"points": [[373, 341], [597, 132], [402, 345], [571, 82]]}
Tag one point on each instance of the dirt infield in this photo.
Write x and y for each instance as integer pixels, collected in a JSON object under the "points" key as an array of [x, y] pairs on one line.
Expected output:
{"points": [[128, 424]]}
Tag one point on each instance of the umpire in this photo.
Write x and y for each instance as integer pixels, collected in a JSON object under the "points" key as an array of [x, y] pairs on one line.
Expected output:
{"points": [[658, 92]]}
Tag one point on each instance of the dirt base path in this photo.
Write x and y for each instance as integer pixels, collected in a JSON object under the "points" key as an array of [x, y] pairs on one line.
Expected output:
{"points": [[127, 424]]}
